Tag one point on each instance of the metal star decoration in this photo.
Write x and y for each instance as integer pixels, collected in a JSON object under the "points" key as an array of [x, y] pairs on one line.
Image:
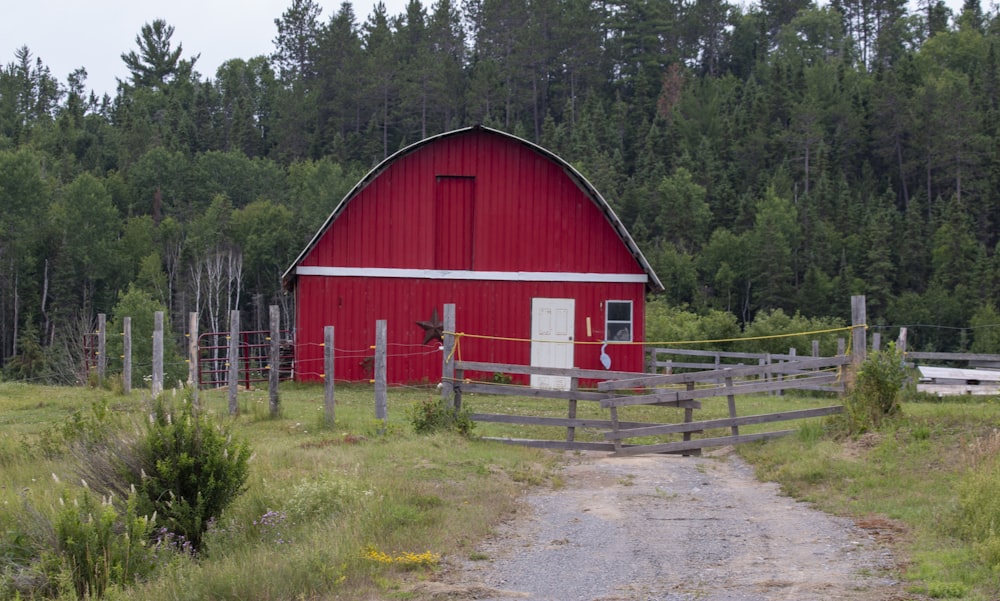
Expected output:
{"points": [[433, 329]]}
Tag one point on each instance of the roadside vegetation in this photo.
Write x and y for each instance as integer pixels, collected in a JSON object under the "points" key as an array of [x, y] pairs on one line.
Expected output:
{"points": [[918, 472], [322, 514], [362, 509]]}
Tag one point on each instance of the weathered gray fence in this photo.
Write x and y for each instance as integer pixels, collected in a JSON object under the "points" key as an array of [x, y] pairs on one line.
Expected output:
{"points": [[729, 382], [685, 390]]}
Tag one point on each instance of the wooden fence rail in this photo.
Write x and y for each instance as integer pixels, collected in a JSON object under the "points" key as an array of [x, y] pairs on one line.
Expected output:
{"points": [[617, 390]]}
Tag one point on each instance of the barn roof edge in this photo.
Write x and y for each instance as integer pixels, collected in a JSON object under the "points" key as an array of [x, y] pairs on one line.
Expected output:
{"points": [[653, 284]]}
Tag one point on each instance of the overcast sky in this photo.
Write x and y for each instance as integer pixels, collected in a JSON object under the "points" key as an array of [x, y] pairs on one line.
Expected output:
{"points": [[67, 34]]}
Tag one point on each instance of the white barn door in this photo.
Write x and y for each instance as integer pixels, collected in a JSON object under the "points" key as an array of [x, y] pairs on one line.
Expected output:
{"points": [[552, 339]]}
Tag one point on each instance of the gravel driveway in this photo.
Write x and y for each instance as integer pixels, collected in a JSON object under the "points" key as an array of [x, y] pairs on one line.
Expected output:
{"points": [[672, 529]]}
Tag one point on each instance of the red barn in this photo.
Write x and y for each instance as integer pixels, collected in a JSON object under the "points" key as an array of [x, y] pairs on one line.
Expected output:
{"points": [[523, 246]]}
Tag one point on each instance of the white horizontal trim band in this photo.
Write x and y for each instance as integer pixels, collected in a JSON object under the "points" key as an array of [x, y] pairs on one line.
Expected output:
{"points": [[501, 276]]}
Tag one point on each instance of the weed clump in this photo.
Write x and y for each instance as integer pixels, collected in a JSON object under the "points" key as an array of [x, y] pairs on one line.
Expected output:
{"points": [[437, 415], [877, 393], [102, 548]]}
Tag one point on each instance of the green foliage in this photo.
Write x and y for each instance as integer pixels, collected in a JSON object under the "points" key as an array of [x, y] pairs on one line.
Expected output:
{"points": [[83, 428], [976, 518], [770, 331], [101, 548], [501, 378], [665, 323], [141, 307], [985, 324], [767, 157], [878, 391], [191, 470], [979, 511], [436, 414], [30, 363], [320, 497]]}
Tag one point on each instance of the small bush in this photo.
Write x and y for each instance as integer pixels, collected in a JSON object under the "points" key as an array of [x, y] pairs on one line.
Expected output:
{"points": [[435, 415], [877, 392], [191, 471]]}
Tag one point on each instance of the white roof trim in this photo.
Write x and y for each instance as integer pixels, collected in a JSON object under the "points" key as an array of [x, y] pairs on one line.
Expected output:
{"points": [[499, 276]]}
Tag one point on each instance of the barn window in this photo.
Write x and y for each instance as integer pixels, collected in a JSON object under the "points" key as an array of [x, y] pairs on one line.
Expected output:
{"points": [[618, 321]]}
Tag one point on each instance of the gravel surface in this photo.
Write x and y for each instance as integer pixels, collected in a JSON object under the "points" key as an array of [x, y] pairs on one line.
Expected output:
{"points": [[672, 529]]}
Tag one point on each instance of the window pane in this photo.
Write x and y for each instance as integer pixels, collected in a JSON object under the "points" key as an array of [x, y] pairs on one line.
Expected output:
{"points": [[619, 332], [619, 311]]}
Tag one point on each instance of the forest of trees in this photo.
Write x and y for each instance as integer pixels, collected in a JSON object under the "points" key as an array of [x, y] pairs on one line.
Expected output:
{"points": [[783, 155]]}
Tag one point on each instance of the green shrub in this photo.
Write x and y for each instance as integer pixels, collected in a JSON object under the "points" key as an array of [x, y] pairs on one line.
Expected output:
{"points": [[877, 391], [191, 470], [435, 415]]}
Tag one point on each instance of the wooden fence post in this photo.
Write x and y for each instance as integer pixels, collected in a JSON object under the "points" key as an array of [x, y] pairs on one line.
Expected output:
{"points": [[193, 378], [234, 360], [731, 401], [859, 336], [574, 385], [157, 385], [329, 400], [127, 355], [448, 360], [859, 333], [381, 390], [901, 342], [275, 371], [876, 342], [102, 347]]}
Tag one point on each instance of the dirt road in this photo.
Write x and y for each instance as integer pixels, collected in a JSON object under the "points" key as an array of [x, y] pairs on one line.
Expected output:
{"points": [[669, 529]]}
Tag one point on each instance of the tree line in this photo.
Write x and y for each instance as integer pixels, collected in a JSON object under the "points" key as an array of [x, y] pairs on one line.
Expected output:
{"points": [[779, 155]]}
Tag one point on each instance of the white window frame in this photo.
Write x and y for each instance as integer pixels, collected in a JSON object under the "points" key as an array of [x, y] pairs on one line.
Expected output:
{"points": [[617, 323]]}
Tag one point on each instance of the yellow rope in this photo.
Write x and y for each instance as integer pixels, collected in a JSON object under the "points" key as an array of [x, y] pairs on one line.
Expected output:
{"points": [[454, 347], [459, 335]]}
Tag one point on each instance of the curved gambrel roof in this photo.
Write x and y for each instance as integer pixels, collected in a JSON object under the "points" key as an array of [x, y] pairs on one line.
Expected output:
{"points": [[588, 189]]}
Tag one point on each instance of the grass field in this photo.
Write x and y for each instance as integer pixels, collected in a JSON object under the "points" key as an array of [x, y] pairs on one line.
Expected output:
{"points": [[357, 510]]}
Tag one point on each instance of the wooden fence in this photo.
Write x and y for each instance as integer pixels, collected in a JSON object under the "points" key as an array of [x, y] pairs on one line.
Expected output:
{"points": [[684, 390], [707, 360], [728, 382]]}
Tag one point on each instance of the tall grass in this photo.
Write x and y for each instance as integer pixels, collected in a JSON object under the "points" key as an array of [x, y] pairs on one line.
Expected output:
{"points": [[321, 503], [317, 499]]}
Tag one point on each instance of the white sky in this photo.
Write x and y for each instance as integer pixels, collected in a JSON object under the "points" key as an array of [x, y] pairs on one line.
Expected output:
{"points": [[67, 34]]}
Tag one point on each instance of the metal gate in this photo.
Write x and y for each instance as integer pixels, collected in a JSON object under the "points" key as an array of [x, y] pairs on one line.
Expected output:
{"points": [[253, 357]]}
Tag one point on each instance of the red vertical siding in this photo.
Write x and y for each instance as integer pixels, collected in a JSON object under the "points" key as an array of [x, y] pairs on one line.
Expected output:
{"points": [[516, 210], [454, 208], [497, 309], [529, 216]]}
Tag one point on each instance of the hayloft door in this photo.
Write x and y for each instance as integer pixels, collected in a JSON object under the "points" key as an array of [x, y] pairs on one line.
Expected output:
{"points": [[551, 339], [455, 201]]}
